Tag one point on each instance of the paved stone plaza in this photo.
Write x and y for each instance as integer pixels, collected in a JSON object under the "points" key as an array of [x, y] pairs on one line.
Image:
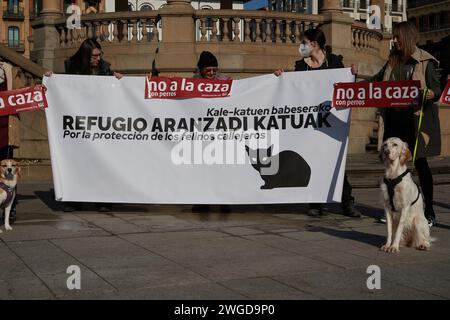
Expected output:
{"points": [[255, 252]]}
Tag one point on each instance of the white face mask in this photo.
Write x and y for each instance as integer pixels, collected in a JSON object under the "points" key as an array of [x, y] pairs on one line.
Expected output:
{"points": [[305, 50]]}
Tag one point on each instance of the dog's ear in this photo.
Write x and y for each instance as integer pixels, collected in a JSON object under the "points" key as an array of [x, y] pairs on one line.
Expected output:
{"points": [[18, 172], [406, 154]]}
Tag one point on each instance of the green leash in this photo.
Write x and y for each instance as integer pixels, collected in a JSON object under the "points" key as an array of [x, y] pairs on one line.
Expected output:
{"points": [[425, 91]]}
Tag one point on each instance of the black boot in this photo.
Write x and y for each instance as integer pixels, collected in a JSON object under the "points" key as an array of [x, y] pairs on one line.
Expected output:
{"points": [[348, 209], [71, 206], [315, 209], [103, 207]]}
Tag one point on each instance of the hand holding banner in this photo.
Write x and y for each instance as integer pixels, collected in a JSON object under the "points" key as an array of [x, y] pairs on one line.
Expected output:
{"points": [[382, 94], [21, 100], [173, 88]]}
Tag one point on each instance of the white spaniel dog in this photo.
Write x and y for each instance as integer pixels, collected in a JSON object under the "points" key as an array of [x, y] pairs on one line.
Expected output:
{"points": [[403, 203]]}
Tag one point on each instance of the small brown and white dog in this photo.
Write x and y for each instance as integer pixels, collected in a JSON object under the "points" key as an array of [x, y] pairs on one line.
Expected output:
{"points": [[403, 202], [9, 174]]}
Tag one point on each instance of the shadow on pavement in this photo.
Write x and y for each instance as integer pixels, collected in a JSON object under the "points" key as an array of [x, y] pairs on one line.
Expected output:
{"points": [[371, 239], [48, 198]]}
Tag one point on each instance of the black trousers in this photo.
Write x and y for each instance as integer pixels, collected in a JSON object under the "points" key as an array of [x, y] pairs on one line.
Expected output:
{"points": [[347, 197], [426, 184]]}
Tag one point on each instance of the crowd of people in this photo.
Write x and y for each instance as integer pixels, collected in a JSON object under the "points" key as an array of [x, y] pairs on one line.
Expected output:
{"points": [[406, 62]]}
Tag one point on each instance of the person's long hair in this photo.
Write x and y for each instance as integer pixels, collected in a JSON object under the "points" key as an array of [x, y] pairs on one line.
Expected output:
{"points": [[318, 36], [406, 33], [82, 58]]}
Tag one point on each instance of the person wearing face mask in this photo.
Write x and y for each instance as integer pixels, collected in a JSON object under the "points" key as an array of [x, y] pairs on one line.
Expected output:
{"points": [[408, 62], [317, 56]]}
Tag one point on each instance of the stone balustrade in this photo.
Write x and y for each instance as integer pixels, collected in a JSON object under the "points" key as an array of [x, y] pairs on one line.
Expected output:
{"points": [[115, 28], [252, 26], [365, 39]]}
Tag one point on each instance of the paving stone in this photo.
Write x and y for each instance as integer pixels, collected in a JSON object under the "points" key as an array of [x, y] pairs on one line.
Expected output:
{"points": [[158, 239], [50, 264], [351, 284], [231, 257], [117, 226], [51, 230], [241, 231], [11, 267], [264, 286], [125, 265], [24, 288], [433, 278]]}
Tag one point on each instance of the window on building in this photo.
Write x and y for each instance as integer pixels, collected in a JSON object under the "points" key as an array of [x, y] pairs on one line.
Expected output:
{"points": [[395, 6], [146, 7], [13, 6], [363, 4], [421, 24], [13, 36], [37, 7], [432, 22]]}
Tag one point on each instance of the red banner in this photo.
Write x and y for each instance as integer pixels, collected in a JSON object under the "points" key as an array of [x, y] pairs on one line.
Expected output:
{"points": [[445, 97], [21, 100], [174, 88], [382, 94]]}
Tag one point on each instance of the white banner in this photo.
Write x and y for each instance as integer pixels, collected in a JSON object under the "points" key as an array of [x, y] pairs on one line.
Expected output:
{"points": [[109, 144]]}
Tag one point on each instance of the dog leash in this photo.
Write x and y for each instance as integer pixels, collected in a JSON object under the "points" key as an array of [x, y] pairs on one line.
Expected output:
{"points": [[425, 91]]}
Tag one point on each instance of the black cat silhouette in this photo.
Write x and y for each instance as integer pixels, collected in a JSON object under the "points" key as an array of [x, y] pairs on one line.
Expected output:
{"points": [[286, 169]]}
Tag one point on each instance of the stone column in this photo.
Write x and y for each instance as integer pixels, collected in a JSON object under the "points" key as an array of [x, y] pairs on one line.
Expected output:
{"points": [[177, 48], [45, 35], [336, 26], [330, 6], [51, 8]]}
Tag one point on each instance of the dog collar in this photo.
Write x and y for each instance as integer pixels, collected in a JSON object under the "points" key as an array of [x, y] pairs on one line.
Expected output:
{"points": [[9, 194], [391, 183]]}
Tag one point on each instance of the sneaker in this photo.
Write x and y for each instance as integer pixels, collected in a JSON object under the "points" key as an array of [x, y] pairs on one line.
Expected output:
{"points": [[382, 220], [104, 208], [313, 212], [68, 208], [349, 210], [431, 221]]}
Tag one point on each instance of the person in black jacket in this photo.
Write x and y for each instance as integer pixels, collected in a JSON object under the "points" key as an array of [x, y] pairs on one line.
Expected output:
{"points": [[88, 61], [317, 56]]}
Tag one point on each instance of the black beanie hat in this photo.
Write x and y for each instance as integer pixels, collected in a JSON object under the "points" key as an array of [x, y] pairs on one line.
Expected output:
{"points": [[207, 59]]}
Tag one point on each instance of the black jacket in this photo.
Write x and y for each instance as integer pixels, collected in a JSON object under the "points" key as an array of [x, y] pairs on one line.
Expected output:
{"points": [[104, 68], [332, 61]]}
